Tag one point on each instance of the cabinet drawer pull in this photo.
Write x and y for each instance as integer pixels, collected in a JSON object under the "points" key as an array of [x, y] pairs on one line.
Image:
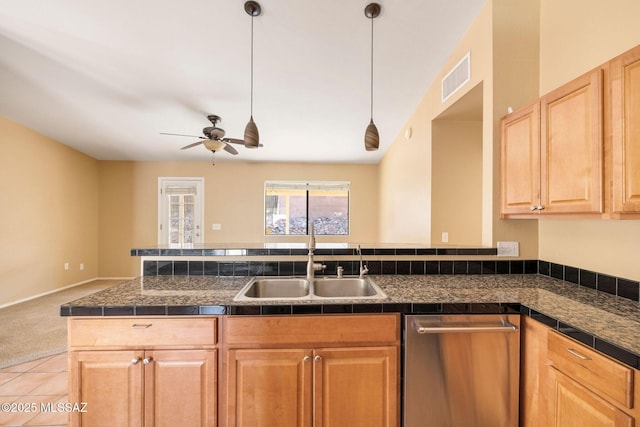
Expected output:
{"points": [[578, 355], [318, 358], [135, 360], [307, 359], [141, 325], [147, 360]]}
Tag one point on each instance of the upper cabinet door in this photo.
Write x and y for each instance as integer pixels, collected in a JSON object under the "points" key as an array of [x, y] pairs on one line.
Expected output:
{"points": [[571, 148], [520, 161], [625, 131]]}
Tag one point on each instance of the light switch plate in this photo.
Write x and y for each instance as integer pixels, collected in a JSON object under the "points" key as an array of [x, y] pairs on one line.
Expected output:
{"points": [[216, 227], [508, 249]]}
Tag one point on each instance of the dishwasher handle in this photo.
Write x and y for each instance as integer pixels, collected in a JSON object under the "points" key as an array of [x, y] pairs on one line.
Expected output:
{"points": [[431, 328]]}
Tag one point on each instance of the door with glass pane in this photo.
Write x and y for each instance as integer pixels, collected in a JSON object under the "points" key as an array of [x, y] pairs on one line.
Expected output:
{"points": [[180, 211]]}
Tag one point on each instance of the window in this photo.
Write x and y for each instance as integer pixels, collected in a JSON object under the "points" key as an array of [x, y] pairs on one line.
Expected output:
{"points": [[179, 211], [290, 204]]}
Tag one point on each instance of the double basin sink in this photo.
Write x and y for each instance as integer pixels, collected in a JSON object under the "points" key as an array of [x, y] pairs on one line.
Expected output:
{"points": [[299, 288]]}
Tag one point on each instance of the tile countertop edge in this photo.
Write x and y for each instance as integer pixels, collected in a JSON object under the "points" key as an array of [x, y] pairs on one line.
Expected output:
{"points": [[598, 320]]}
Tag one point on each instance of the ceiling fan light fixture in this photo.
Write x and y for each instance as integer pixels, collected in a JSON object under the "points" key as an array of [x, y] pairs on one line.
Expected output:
{"points": [[251, 135], [371, 136], [214, 145]]}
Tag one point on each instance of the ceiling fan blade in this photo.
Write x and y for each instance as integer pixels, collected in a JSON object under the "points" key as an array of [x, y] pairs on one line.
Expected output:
{"points": [[191, 145], [230, 149], [237, 141], [180, 134], [234, 140]]}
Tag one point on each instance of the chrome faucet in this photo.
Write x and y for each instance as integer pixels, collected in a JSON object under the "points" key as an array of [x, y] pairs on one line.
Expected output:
{"points": [[312, 267], [363, 268]]}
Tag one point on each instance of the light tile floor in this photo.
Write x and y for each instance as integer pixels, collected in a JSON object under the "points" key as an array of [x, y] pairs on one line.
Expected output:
{"points": [[30, 392]]}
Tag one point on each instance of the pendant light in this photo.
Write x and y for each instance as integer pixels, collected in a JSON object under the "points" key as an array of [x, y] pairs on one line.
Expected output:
{"points": [[251, 136], [371, 137]]}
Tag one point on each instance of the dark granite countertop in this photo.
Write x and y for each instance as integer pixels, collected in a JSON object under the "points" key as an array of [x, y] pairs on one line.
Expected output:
{"points": [[608, 323]]}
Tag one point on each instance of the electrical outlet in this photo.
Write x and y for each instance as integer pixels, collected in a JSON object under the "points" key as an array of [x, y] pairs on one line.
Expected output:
{"points": [[81, 266], [66, 265], [216, 227], [445, 237], [508, 249]]}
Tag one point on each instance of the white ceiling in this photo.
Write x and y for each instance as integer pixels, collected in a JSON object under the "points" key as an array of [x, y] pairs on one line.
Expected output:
{"points": [[107, 76]]}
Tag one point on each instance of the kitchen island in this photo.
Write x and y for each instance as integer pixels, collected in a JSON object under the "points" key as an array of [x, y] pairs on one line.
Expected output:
{"points": [[156, 340], [608, 323]]}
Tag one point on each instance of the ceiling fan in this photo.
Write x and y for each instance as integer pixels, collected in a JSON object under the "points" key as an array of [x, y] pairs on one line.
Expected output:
{"points": [[213, 138]]}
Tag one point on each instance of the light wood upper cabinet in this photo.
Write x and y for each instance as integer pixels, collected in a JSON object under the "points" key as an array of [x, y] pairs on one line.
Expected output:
{"points": [[625, 132], [520, 161], [552, 153], [571, 149]]}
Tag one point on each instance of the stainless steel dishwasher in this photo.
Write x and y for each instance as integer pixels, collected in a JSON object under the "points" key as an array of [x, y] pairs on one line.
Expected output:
{"points": [[461, 370]]}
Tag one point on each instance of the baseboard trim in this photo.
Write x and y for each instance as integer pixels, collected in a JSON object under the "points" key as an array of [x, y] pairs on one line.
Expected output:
{"points": [[53, 291]]}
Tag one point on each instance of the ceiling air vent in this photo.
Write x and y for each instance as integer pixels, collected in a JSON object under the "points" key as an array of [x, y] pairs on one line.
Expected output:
{"points": [[457, 77]]}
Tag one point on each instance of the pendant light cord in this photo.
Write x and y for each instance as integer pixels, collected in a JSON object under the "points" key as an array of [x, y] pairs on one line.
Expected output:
{"points": [[371, 68], [251, 107]]}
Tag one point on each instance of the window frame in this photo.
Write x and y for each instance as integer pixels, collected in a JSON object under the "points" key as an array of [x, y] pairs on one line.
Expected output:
{"points": [[307, 186]]}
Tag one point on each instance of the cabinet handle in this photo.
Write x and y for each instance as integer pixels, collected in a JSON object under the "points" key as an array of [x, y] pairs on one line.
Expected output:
{"points": [[135, 360], [147, 360], [318, 358], [578, 355], [307, 359], [141, 325], [540, 207], [533, 208]]}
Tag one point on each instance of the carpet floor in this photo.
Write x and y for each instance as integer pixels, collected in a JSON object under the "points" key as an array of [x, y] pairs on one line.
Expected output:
{"points": [[34, 329]]}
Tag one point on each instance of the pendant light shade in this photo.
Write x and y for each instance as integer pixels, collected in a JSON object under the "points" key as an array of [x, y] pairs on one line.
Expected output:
{"points": [[371, 137], [251, 135]]}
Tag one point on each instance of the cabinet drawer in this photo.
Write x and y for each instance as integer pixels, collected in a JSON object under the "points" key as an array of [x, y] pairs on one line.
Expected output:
{"points": [[142, 332], [328, 330], [604, 376]]}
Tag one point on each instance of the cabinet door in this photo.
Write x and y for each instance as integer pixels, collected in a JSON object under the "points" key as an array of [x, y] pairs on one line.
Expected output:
{"points": [[533, 373], [625, 128], [571, 147], [570, 404], [269, 387], [520, 161], [180, 388], [356, 387], [110, 382]]}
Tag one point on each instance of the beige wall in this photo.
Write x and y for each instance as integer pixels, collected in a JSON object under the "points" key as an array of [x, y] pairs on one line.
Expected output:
{"points": [[503, 42], [48, 212], [457, 182], [406, 169], [576, 36], [234, 198]]}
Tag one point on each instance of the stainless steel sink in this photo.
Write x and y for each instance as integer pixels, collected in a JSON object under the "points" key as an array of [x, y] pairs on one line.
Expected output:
{"points": [[296, 288], [279, 288], [349, 287]]}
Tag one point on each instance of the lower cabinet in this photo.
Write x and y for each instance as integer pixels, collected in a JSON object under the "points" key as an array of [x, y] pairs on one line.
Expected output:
{"points": [[146, 386], [586, 388], [571, 404], [348, 382]]}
